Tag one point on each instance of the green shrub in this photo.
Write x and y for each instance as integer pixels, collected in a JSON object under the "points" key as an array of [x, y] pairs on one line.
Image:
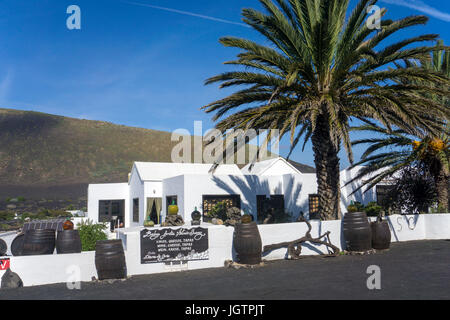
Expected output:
{"points": [[281, 216], [20, 199], [6, 215], [373, 209], [438, 209], [26, 215], [355, 206], [90, 233], [219, 211]]}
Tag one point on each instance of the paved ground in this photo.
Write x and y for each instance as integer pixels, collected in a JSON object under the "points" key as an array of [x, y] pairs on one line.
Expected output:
{"points": [[409, 270]]}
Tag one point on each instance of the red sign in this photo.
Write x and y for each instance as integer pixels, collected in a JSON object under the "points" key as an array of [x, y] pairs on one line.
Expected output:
{"points": [[4, 264]]}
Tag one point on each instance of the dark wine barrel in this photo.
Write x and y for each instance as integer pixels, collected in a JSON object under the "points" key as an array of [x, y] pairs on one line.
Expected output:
{"points": [[110, 260], [17, 245], [247, 243], [3, 247], [381, 235], [357, 233], [68, 241], [39, 241]]}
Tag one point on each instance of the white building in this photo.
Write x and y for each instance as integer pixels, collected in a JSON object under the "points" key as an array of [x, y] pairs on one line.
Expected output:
{"points": [[152, 186]]}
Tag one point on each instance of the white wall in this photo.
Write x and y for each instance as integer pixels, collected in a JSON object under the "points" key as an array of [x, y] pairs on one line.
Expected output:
{"points": [[221, 239], [46, 269], [136, 190], [107, 191], [53, 268], [437, 226], [296, 190], [247, 186], [276, 233], [360, 196], [279, 167], [276, 180]]}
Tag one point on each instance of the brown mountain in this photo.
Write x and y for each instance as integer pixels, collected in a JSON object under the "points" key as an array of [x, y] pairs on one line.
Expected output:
{"points": [[55, 157]]}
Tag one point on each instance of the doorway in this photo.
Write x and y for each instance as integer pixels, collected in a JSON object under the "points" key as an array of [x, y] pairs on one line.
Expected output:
{"points": [[153, 213]]}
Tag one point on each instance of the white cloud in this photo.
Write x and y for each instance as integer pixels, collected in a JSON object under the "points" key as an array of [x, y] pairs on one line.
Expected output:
{"points": [[187, 13], [422, 7]]}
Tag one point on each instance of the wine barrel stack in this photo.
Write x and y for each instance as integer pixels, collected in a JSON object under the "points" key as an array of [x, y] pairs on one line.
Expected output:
{"points": [[247, 243], [357, 232], [110, 260], [39, 241]]}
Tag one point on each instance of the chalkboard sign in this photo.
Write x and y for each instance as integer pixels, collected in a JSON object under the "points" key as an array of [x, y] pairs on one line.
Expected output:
{"points": [[167, 245]]}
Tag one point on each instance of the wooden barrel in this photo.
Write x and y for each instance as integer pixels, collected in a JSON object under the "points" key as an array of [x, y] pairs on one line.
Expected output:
{"points": [[110, 259], [381, 235], [3, 247], [68, 241], [39, 241], [357, 232], [17, 245], [247, 243]]}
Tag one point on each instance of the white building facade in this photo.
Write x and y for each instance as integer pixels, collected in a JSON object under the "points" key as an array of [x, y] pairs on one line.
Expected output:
{"points": [[152, 186]]}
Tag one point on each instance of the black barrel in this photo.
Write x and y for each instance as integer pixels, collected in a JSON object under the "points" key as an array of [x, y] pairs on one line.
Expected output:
{"points": [[38, 241], [357, 232], [68, 241], [3, 247], [247, 243], [17, 245], [110, 260], [381, 235]]}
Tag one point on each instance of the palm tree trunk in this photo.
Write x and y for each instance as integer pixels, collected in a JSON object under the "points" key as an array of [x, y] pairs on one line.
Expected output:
{"points": [[327, 171], [441, 181]]}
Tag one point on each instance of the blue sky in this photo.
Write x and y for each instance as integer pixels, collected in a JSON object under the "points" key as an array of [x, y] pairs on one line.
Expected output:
{"points": [[138, 63]]}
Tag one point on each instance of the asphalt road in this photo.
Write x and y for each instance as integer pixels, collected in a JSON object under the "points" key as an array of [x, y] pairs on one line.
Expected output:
{"points": [[409, 270]]}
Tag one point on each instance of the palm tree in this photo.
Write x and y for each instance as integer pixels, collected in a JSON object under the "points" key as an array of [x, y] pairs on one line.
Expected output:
{"points": [[408, 148], [320, 70]]}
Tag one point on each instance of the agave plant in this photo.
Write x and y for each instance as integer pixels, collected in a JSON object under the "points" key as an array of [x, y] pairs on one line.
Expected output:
{"points": [[321, 69], [403, 149]]}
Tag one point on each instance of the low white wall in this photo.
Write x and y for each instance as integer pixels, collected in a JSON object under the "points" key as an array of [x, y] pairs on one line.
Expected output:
{"points": [[276, 233], [46, 269], [437, 226], [53, 268]]}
